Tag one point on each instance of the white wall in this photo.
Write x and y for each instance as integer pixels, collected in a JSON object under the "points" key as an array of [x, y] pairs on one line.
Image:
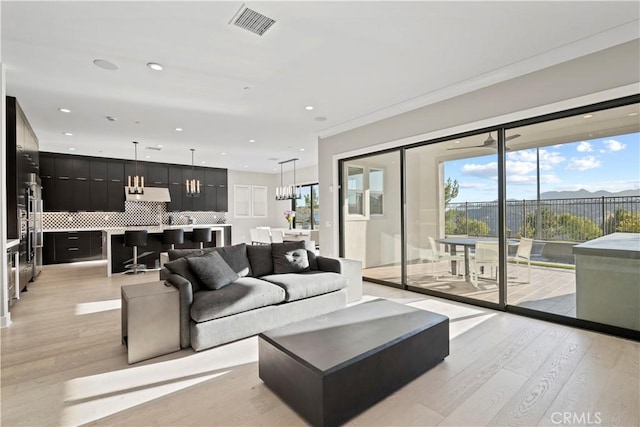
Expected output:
{"points": [[275, 208], [607, 74]]}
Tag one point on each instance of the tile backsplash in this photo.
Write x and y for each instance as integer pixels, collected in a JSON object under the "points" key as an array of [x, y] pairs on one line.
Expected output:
{"points": [[136, 213]]}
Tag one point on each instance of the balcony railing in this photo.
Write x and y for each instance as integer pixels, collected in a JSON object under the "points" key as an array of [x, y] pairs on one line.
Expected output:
{"points": [[573, 220]]}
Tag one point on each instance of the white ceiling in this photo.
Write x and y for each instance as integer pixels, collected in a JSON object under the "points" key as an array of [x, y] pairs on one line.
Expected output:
{"points": [[353, 61]]}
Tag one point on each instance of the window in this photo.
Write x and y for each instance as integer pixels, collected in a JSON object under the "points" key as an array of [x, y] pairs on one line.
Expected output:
{"points": [[355, 187], [376, 191], [307, 208]]}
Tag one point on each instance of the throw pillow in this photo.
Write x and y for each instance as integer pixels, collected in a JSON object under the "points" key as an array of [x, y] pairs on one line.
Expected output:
{"points": [[212, 270], [181, 266], [260, 259], [236, 257], [289, 257]]}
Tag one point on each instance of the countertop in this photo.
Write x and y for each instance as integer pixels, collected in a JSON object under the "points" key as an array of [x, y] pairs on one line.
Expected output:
{"points": [[149, 228], [616, 245], [12, 242]]}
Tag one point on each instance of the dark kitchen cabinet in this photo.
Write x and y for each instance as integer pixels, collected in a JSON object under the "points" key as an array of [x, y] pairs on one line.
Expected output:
{"points": [[221, 199], [49, 198], [175, 192], [63, 247], [47, 167], [63, 167], [115, 196], [81, 196], [98, 170], [157, 175], [64, 188], [193, 203], [99, 196], [115, 171], [81, 168], [175, 175], [210, 196]]}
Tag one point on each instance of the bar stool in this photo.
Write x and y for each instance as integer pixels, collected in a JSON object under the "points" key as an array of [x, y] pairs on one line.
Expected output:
{"points": [[133, 239], [201, 235], [173, 237]]}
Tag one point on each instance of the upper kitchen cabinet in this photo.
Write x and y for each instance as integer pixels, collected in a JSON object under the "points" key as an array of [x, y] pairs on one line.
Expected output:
{"points": [[175, 175], [98, 170], [157, 174], [47, 168]]}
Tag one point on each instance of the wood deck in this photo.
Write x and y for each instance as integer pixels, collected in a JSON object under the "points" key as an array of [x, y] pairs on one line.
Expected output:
{"points": [[551, 290]]}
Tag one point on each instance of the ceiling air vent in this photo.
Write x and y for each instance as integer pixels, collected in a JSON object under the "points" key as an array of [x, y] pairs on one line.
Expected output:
{"points": [[252, 21], [154, 148]]}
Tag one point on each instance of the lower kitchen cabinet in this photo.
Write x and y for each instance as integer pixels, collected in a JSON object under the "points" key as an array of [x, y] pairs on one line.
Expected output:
{"points": [[73, 246]]}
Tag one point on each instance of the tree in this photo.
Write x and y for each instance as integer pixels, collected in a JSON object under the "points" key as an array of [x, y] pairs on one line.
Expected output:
{"points": [[459, 224], [623, 221], [450, 190], [577, 228]]}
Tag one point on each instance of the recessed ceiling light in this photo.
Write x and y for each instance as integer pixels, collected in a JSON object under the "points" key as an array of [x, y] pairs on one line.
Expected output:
{"points": [[179, 129], [159, 145], [633, 114], [309, 107], [245, 166], [72, 149], [64, 110], [67, 133], [223, 154], [252, 140], [302, 149], [147, 157], [587, 116], [155, 66], [203, 162], [104, 64]]}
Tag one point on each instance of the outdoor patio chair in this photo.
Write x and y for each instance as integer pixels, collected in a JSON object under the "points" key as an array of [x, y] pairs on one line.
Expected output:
{"points": [[486, 255], [435, 256], [523, 254]]}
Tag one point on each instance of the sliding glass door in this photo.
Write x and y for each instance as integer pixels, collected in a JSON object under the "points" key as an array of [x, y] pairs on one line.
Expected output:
{"points": [[573, 205], [451, 211], [372, 215]]}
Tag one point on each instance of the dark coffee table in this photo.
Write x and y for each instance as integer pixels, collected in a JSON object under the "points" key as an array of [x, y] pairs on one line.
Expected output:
{"points": [[332, 367]]}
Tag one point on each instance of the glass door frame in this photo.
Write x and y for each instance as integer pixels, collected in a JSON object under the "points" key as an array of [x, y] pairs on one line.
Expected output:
{"points": [[502, 304]]}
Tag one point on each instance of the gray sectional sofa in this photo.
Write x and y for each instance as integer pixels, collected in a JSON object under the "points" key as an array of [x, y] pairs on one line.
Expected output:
{"points": [[254, 288]]}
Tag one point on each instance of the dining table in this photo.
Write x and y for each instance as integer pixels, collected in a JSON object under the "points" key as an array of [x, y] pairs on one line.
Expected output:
{"points": [[467, 242]]}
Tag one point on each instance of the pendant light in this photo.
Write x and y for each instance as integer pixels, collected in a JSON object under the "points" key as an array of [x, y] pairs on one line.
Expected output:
{"points": [[135, 184], [288, 192], [192, 185]]}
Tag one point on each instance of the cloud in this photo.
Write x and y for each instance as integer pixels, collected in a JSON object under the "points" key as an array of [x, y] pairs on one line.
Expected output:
{"points": [[548, 159], [582, 164], [488, 170], [613, 145], [584, 146], [532, 180]]}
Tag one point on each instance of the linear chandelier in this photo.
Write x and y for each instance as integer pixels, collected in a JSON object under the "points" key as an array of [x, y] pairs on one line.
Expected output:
{"points": [[288, 192], [135, 184], [193, 185]]}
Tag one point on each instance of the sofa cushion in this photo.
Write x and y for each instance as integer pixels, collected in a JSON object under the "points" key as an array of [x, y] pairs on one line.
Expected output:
{"points": [[180, 253], [246, 293], [181, 267], [213, 271], [260, 260], [289, 257], [305, 285]]}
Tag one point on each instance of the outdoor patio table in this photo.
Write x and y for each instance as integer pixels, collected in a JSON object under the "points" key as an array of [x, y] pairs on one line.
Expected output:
{"points": [[467, 242]]}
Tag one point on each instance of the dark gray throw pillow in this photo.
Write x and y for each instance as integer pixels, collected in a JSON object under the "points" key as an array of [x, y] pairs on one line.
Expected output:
{"points": [[236, 257], [289, 257], [212, 270], [181, 266], [260, 260]]}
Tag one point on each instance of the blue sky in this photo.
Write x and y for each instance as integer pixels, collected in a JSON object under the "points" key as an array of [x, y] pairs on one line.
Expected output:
{"points": [[611, 164]]}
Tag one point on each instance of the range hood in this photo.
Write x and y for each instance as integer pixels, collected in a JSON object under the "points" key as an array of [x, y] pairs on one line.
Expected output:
{"points": [[151, 194]]}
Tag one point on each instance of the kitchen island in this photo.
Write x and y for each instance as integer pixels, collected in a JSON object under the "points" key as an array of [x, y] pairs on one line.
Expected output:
{"points": [[117, 255], [608, 280]]}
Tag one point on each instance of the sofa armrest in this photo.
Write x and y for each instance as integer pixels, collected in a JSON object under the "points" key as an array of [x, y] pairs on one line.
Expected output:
{"points": [[186, 299], [350, 269]]}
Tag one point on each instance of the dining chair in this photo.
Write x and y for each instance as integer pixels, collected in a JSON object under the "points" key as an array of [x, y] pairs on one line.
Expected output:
{"points": [[523, 254], [264, 236], [435, 256], [314, 236], [253, 232], [486, 255], [277, 236]]}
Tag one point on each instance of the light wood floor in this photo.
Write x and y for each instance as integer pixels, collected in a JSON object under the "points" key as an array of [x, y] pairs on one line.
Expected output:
{"points": [[552, 290], [63, 364]]}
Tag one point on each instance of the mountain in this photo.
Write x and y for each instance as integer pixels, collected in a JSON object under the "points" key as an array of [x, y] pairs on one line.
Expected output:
{"points": [[581, 194]]}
